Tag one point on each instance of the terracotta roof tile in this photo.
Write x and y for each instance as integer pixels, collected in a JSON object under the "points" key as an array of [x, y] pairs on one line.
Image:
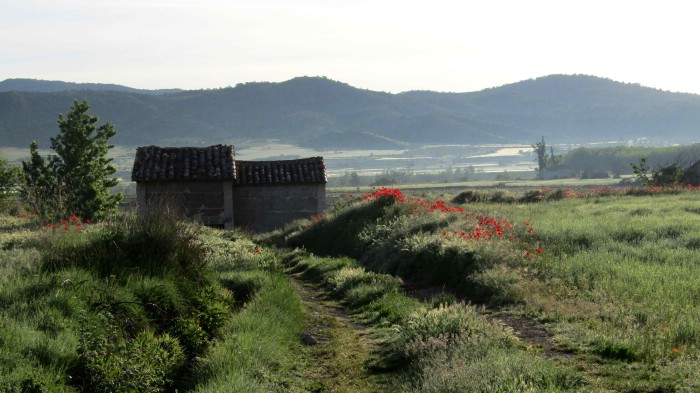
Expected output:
{"points": [[303, 171], [160, 164], [154, 164]]}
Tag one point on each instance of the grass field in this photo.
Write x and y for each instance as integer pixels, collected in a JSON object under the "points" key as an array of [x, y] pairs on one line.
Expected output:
{"points": [[505, 184], [612, 278], [483, 290]]}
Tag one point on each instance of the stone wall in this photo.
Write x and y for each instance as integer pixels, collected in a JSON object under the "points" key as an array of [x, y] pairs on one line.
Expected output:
{"points": [[263, 208], [209, 201]]}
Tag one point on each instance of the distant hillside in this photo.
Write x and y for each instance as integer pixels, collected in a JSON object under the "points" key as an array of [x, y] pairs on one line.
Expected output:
{"points": [[321, 113], [44, 86]]}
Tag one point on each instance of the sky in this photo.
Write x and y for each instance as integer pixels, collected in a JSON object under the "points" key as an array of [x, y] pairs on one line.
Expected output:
{"points": [[381, 45]]}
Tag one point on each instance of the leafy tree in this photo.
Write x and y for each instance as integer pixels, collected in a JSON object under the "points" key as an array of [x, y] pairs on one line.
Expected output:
{"points": [[545, 161], [540, 149], [669, 174], [79, 175]]}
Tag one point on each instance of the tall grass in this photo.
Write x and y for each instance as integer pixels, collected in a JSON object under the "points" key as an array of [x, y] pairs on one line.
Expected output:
{"points": [[155, 243], [614, 274], [259, 348], [125, 305], [424, 338]]}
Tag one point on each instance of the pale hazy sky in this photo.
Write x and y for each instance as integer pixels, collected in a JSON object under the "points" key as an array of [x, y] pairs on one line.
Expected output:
{"points": [[380, 45]]}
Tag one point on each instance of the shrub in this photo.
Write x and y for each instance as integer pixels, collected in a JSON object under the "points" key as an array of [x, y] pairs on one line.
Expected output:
{"points": [[162, 301], [532, 196], [156, 243], [391, 307], [193, 338], [109, 362], [347, 278], [443, 328], [502, 196], [470, 196]]}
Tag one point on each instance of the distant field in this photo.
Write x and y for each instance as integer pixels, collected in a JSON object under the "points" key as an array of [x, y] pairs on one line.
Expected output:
{"points": [[557, 183]]}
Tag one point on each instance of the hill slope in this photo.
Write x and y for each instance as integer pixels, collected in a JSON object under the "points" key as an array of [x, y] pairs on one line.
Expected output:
{"points": [[318, 112], [44, 86]]}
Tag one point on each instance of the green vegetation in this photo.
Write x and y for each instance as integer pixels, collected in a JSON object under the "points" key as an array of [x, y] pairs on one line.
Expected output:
{"points": [[617, 160], [610, 274], [152, 304], [545, 161], [10, 178], [76, 180], [436, 345], [126, 305], [540, 290]]}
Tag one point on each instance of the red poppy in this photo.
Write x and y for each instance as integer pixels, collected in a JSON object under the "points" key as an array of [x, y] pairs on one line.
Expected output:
{"points": [[88, 221], [74, 218], [538, 250], [257, 251], [663, 330], [675, 350]]}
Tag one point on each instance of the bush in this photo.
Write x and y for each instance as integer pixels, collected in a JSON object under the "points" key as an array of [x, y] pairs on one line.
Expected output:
{"points": [[152, 244], [532, 196], [109, 362], [442, 328], [470, 196]]}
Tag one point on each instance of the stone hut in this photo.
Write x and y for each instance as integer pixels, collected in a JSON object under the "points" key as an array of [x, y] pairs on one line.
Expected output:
{"points": [[208, 183]]}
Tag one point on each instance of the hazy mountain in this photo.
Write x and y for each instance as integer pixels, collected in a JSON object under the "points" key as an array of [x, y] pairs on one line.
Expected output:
{"points": [[321, 113], [44, 86]]}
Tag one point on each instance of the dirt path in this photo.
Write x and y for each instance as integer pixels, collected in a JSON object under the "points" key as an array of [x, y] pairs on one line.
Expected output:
{"points": [[338, 349]]}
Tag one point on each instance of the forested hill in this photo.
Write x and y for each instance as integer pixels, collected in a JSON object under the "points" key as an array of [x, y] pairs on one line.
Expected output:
{"points": [[44, 86], [318, 112]]}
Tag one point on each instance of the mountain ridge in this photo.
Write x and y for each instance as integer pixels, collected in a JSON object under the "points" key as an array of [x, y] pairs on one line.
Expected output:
{"points": [[321, 113], [48, 86]]}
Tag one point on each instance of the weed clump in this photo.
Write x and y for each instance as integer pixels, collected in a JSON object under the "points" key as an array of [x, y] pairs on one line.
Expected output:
{"points": [[152, 244], [134, 295]]}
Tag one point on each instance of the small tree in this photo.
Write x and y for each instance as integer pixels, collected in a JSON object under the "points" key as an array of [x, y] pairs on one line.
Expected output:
{"points": [[540, 149], [670, 174], [545, 161], [79, 175]]}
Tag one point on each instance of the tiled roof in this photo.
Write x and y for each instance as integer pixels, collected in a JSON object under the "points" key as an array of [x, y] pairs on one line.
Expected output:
{"points": [[303, 171], [155, 164]]}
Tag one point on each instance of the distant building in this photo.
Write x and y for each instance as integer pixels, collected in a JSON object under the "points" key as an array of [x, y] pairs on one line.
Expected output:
{"points": [[210, 184]]}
